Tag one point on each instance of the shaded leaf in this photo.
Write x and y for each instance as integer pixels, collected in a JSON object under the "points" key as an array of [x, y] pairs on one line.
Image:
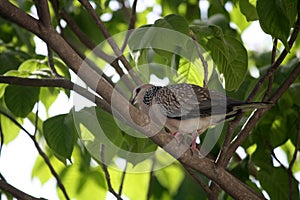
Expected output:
{"points": [[60, 135], [20, 100], [248, 10], [276, 17]]}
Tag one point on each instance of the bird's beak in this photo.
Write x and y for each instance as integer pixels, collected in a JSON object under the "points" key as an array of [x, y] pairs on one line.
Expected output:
{"points": [[133, 100]]}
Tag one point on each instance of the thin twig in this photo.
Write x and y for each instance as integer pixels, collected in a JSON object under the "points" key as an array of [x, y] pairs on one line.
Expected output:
{"points": [[290, 168], [271, 148], [199, 181], [234, 124], [51, 62], [4, 186], [131, 24], [123, 179], [151, 175], [257, 115], [107, 176], [271, 78], [42, 154], [112, 60], [204, 63], [277, 63], [1, 139], [111, 41], [36, 119]]}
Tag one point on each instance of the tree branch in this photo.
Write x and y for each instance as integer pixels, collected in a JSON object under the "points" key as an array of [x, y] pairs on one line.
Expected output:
{"points": [[290, 168], [16, 192], [199, 181], [40, 151], [122, 179], [277, 63], [110, 40], [131, 24], [43, 12], [18, 16], [229, 183], [244, 133], [56, 82], [233, 124], [107, 176]]}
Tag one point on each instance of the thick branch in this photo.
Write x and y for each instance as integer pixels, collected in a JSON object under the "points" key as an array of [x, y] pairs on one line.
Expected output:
{"points": [[230, 184]]}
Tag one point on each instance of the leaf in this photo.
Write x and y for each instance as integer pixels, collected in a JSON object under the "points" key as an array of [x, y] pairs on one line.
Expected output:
{"points": [[96, 127], [60, 135], [231, 59], [48, 96], [173, 22], [167, 178], [20, 100], [34, 66], [248, 10], [276, 17], [83, 184], [192, 73], [10, 60], [10, 130], [41, 170], [275, 181]]}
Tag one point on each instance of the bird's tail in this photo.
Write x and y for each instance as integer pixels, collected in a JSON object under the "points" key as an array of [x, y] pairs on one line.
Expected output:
{"points": [[243, 107]]}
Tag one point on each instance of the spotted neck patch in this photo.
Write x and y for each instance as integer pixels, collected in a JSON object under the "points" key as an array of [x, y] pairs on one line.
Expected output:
{"points": [[149, 94]]}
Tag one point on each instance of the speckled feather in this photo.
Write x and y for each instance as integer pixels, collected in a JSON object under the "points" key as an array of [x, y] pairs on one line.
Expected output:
{"points": [[188, 101]]}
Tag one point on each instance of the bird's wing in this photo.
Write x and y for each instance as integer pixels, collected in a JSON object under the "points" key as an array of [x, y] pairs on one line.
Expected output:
{"points": [[189, 101]]}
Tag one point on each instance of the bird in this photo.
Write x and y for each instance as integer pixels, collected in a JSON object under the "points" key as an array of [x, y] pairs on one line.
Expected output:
{"points": [[187, 108]]}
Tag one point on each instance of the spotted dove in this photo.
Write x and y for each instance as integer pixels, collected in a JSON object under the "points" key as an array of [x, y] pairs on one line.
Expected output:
{"points": [[188, 109]]}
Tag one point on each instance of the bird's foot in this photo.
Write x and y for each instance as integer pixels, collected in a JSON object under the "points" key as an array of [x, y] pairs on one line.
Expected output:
{"points": [[194, 144]]}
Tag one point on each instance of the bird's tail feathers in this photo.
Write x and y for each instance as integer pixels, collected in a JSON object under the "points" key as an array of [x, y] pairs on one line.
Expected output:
{"points": [[250, 106]]}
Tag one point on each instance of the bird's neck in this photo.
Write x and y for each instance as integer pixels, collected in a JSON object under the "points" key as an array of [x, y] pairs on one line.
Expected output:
{"points": [[149, 94]]}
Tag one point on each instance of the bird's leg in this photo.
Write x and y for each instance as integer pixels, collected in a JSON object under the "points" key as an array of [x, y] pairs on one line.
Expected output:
{"points": [[176, 136], [194, 145]]}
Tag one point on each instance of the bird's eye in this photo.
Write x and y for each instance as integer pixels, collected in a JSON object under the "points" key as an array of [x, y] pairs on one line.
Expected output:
{"points": [[137, 90]]}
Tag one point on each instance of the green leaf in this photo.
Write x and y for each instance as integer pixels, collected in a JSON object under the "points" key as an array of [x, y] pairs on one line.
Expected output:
{"points": [[48, 96], [231, 59], [275, 182], [248, 10], [167, 179], [173, 22], [36, 66], [190, 190], [20, 100], [60, 135], [10, 130], [192, 73], [61, 68], [41, 170], [83, 184], [10, 60], [276, 17]]}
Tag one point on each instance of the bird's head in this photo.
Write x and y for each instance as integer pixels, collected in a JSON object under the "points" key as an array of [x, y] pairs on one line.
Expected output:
{"points": [[138, 94]]}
